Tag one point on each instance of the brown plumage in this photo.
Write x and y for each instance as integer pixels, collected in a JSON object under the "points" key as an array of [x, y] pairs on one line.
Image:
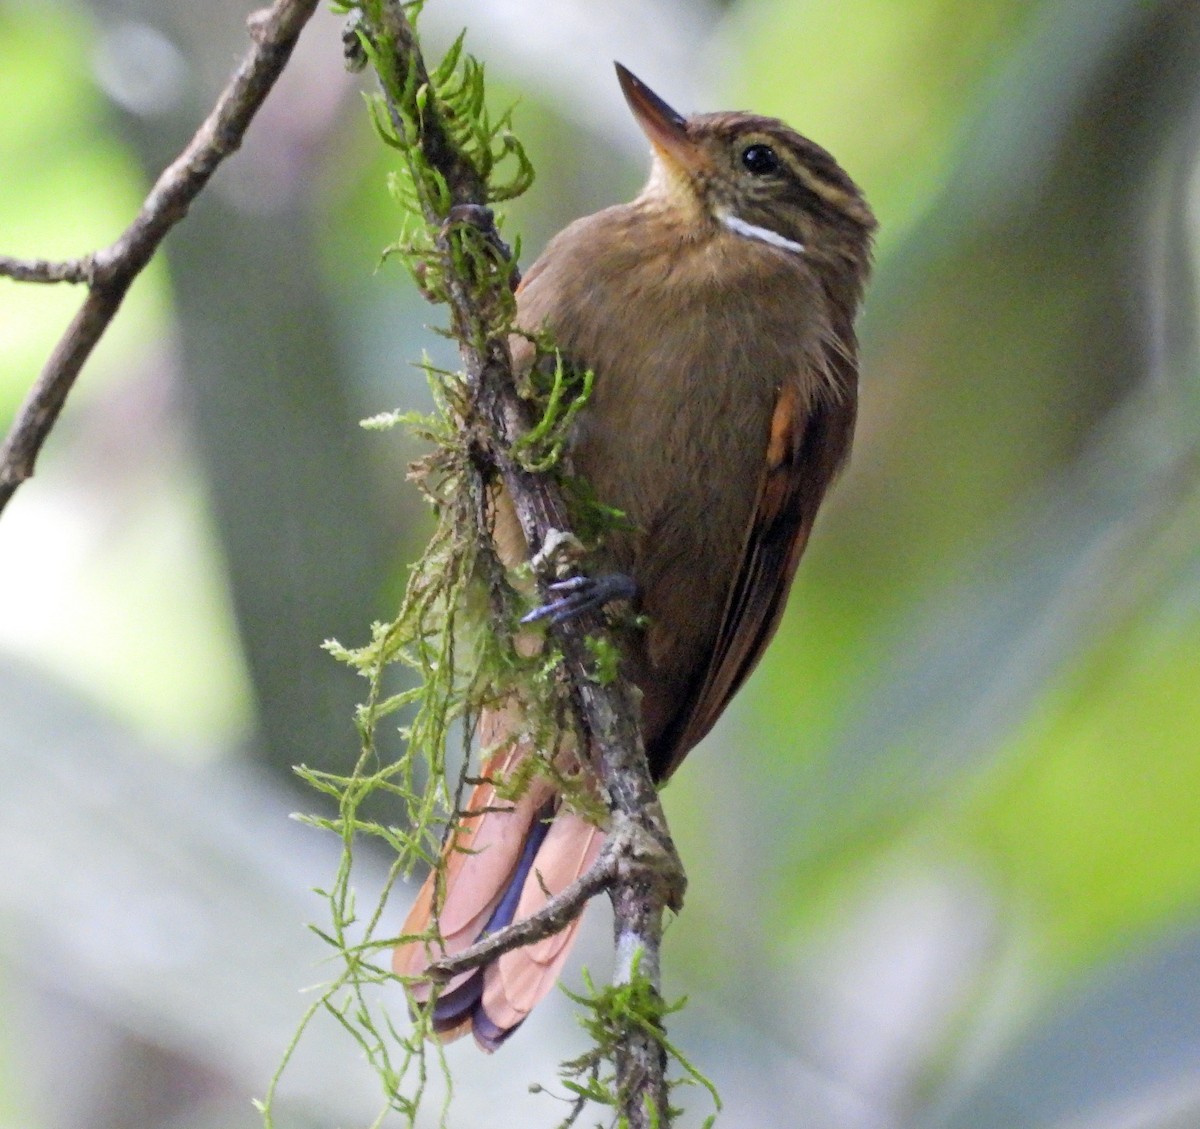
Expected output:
{"points": [[717, 313]]}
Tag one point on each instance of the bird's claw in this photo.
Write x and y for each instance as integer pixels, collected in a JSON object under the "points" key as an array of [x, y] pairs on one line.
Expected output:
{"points": [[579, 594]]}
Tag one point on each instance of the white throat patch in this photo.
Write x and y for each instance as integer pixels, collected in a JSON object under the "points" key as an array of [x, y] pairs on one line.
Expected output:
{"points": [[763, 234]]}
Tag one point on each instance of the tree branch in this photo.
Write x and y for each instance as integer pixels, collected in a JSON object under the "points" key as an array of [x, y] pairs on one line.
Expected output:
{"points": [[109, 272], [646, 876], [557, 913], [47, 270]]}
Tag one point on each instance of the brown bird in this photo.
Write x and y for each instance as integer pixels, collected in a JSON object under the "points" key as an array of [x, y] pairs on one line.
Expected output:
{"points": [[717, 312]]}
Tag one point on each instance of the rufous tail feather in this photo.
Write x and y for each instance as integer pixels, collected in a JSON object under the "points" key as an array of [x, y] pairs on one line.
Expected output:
{"points": [[502, 864]]}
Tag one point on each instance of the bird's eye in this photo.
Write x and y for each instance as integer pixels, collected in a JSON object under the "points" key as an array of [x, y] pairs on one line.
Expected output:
{"points": [[760, 159]]}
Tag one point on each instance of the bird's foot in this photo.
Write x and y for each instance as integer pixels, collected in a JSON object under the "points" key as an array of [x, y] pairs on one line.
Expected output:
{"points": [[579, 594]]}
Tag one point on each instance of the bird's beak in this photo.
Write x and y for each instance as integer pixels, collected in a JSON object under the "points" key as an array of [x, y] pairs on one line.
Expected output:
{"points": [[666, 128]]}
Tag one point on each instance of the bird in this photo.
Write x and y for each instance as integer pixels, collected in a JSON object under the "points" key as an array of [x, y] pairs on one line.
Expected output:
{"points": [[717, 314]]}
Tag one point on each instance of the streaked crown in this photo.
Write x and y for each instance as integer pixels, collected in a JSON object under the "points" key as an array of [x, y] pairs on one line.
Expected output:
{"points": [[755, 176]]}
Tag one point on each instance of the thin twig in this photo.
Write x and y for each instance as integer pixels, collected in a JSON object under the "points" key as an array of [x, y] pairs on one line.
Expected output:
{"points": [[47, 270], [557, 913], [647, 875], [109, 272]]}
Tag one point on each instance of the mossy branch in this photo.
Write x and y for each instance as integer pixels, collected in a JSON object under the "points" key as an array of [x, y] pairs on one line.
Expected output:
{"points": [[645, 881], [489, 427]]}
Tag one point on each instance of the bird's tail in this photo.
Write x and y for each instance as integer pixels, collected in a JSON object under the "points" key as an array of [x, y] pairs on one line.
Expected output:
{"points": [[503, 862]]}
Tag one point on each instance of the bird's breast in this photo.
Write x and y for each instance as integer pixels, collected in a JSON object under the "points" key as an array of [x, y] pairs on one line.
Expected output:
{"points": [[690, 343]]}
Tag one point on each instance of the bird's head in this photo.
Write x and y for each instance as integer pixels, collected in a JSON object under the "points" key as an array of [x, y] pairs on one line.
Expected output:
{"points": [[754, 176]]}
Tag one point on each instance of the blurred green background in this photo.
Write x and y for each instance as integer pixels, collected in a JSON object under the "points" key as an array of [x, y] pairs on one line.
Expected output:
{"points": [[944, 850]]}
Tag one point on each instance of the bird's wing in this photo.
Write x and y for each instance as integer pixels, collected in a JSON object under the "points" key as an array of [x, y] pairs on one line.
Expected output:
{"points": [[808, 444]]}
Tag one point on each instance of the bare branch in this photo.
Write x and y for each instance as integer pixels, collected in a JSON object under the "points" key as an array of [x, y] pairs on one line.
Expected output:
{"points": [[110, 271], [556, 914], [46, 270], [647, 877], [624, 844]]}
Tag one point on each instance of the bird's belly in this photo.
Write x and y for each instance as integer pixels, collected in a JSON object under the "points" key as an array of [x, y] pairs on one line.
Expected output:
{"points": [[683, 461]]}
